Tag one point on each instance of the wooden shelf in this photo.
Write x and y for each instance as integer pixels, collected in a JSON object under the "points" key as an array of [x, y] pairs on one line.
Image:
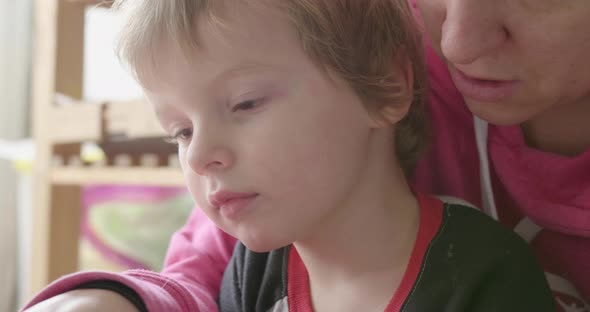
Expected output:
{"points": [[101, 3], [76, 123], [132, 119], [127, 132], [99, 122], [163, 176]]}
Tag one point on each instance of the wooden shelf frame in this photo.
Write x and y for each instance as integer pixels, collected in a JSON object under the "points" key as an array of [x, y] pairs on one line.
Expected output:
{"points": [[101, 3], [101, 121], [59, 131], [112, 175]]}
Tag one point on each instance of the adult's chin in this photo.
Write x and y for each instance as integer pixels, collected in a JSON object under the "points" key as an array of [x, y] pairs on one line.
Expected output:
{"points": [[505, 113]]}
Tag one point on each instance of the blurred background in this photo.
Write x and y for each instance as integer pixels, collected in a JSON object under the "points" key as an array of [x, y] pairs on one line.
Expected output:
{"points": [[86, 181]]}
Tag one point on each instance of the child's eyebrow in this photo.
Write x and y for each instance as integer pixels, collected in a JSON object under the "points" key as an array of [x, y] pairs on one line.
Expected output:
{"points": [[243, 69]]}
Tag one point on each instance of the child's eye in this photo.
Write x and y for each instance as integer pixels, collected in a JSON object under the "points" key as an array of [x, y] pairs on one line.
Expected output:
{"points": [[182, 135], [246, 105]]}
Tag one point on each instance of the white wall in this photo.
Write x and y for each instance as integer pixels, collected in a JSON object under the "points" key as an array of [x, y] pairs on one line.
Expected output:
{"points": [[104, 78], [15, 28]]}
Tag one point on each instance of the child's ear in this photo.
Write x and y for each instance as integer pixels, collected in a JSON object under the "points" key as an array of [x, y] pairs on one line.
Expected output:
{"points": [[392, 113]]}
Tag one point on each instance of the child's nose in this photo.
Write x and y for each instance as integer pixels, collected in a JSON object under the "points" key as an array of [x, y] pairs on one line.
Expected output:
{"points": [[471, 29], [207, 155]]}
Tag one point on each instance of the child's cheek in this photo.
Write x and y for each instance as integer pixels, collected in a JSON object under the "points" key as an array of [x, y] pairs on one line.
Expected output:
{"points": [[198, 191], [192, 180]]}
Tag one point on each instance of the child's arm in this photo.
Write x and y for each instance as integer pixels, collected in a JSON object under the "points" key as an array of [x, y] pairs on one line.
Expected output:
{"points": [[87, 300], [190, 280]]}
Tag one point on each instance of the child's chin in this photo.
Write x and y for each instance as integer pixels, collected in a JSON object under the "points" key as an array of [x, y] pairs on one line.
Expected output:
{"points": [[263, 245]]}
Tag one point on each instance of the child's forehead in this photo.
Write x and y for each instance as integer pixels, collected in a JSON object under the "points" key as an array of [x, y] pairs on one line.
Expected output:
{"points": [[246, 25], [253, 40]]}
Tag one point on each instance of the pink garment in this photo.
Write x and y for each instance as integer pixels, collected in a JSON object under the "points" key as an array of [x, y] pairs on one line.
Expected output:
{"points": [[553, 191], [190, 281]]}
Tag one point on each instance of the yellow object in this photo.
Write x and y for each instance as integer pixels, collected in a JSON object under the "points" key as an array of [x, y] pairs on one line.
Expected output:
{"points": [[91, 153], [23, 166]]}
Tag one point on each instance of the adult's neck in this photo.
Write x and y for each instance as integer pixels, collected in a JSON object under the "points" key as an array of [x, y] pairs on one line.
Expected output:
{"points": [[366, 243], [563, 130]]}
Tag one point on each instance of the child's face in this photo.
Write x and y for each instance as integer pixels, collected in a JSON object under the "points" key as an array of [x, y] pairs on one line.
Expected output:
{"points": [[540, 48], [255, 115]]}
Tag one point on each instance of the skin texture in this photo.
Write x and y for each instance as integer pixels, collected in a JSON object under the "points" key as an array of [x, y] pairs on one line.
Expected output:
{"points": [[542, 44]]}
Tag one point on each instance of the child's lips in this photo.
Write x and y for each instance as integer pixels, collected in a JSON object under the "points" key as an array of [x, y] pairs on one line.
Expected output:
{"points": [[231, 205]]}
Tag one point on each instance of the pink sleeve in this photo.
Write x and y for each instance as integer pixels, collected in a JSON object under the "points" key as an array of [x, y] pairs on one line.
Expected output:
{"points": [[191, 278]]}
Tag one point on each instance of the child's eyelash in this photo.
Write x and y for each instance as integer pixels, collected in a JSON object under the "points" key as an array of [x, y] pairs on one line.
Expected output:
{"points": [[246, 105], [171, 140], [178, 136]]}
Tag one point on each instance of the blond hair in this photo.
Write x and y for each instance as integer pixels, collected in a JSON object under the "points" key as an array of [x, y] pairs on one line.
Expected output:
{"points": [[359, 40]]}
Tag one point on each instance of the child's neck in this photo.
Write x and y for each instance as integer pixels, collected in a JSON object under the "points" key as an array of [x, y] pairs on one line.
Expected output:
{"points": [[365, 245]]}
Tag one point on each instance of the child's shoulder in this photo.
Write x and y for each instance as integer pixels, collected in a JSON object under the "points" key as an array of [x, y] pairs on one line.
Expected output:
{"points": [[459, 219], [465, 226], [473, 254], [459, 224]]}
